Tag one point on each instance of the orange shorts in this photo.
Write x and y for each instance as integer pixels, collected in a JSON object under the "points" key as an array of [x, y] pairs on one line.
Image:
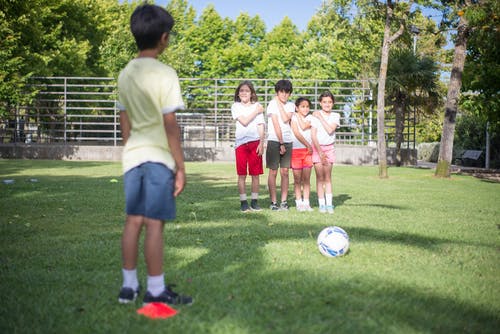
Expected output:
{"points": [[301, 158]]}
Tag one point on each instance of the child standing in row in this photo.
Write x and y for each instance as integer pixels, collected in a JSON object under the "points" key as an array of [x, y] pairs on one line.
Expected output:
{"points": [[302, 153], [279, 142], [323, 129], [249, 145]]}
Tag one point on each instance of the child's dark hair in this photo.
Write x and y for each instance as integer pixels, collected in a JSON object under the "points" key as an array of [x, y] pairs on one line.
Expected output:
{"points": [[326, 93], [302, 99], [148, 23], [253, 94], [283, 86]]}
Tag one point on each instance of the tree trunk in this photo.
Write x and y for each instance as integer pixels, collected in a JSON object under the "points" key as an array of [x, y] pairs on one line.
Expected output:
{"points": [[446, 147], [384, 60], [400, 107]]}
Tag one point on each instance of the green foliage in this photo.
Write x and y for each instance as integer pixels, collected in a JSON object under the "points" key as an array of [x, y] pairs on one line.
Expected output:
{"points": [[470, 130], [420, 261]]}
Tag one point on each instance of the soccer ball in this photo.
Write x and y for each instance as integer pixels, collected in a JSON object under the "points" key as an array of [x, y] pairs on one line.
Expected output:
{"points": [[333, 241]]}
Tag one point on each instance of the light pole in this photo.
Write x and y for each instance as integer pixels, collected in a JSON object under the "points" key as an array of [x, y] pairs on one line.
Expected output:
{"points": [[415, 31]]}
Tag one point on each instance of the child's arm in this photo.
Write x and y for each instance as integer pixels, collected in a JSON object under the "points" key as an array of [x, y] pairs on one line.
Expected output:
{"points": [[246, 119], [285, 116], [277, 130], [303, 123], [299, 136], [329, 127], [260, 148], [174, 142], [124, 126], [317, 146]]}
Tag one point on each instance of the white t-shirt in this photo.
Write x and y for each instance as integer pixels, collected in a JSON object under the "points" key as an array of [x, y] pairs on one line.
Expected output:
{"points": [[245, 134], [148, 89], [323, 137], [305, 133], [286, 130]]}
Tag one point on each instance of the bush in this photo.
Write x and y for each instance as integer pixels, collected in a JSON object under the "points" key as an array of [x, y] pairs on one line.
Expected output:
{"points": [[428, 152]]}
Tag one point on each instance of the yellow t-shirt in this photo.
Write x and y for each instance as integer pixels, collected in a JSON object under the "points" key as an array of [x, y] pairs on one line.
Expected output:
{"points": [[147, 89]]}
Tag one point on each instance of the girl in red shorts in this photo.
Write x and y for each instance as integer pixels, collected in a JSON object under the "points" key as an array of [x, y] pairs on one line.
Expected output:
{"points": [[324, 124], [249, 142], [302, 153]]}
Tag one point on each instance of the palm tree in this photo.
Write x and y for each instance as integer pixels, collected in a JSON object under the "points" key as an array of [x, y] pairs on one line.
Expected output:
{"points": [[411, 81]]}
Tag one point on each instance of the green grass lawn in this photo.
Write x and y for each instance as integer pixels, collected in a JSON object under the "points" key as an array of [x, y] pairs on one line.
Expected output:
{"points": [[424, 255]]}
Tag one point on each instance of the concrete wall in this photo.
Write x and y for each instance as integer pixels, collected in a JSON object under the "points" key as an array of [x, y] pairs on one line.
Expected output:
{"points": [[346, 154]]}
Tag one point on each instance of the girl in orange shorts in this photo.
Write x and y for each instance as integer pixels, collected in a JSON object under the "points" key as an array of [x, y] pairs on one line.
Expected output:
{"points": [[302, 153]]}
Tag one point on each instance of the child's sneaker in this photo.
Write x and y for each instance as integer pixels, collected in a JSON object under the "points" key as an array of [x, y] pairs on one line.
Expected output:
{"points": [[167, 297], [284, 206], [254, 205], [329, 208], [244, 206], [307, 208], [274, 207], [128, 295], [322, 208]]}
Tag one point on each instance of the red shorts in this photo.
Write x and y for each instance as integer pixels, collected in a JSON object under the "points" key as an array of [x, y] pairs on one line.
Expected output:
{"points": [[246, 156], [301, 158], [329, 152]]}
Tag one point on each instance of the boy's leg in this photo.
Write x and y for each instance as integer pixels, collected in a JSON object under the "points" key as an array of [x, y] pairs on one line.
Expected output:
{"points": [[130, 245], [271, 183], [284, 184], [130, 241]]}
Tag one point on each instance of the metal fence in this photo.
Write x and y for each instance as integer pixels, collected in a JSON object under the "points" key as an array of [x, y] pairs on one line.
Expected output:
{"points": [[83, 111]]}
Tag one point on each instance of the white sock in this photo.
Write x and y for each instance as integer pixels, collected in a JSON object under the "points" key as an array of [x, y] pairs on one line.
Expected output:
{"points": [[130, 279], [306, 202], [298, 203], [321, 201], [156, 285], [329, 199], [243, 197], [255, 195]]}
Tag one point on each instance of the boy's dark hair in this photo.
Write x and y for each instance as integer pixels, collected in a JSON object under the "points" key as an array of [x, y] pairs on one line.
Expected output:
{"points": [[253, 94], [283, 86], [326, 93], [302, 99], [148, 23]]}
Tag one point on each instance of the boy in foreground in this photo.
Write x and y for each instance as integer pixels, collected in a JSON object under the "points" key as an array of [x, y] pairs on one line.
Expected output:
{"points": [[153, 162]]}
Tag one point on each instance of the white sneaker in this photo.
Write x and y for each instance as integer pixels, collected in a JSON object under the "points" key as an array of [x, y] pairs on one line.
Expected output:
{"points": [[307, 208]]}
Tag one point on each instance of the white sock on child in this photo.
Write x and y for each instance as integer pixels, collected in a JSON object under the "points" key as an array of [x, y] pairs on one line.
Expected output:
{"points": [[321, 201], [329, 198], [156, 285], [130, 279], [243, 197], [255, 195]]}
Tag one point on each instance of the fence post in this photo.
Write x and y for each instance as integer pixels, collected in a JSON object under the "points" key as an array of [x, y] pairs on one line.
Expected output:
{"points": [[65, 105]]}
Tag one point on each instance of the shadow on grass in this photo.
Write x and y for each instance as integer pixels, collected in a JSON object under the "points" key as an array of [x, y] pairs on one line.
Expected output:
{"points": [[256, 273]]}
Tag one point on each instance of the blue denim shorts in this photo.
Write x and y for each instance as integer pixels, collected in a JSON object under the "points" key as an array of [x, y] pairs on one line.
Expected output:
{"points": [[149, 191]]}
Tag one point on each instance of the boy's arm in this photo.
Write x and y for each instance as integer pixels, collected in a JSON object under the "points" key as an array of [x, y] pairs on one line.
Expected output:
{"points": [[174, 142], [124, 126], [277, 130], [285, 116]]}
